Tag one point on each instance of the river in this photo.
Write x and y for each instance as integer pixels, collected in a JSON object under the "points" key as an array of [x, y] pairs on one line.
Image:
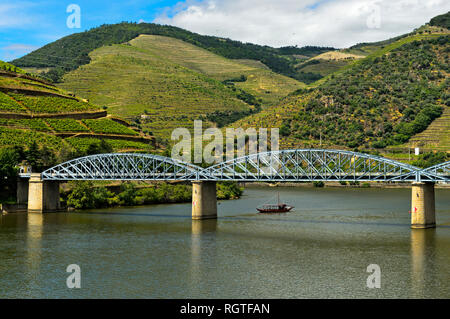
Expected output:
{"points": [[320, 250]]}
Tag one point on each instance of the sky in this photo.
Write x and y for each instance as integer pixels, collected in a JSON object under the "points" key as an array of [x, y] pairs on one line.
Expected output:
{"points": [[28, 25]]}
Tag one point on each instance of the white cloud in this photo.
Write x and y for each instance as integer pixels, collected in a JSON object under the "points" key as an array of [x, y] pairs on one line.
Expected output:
{"points": [[18, 15], [13, 51], [19, 47], [338, 23]]}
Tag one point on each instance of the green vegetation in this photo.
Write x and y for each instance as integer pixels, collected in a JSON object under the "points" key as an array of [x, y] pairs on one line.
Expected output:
{"points": [[381, 100], [132, 82], [442, 20], [436, 136], [12, 137], [249, 75], [85, 195], [9, 67], [228, 190], [70, 52], [31, 124], [430, 159], [40, 98], [8, 104], [82, 144], [51, 104], [8, 172], [67, 125], [324, 64], [319, 184], [107, 126]]}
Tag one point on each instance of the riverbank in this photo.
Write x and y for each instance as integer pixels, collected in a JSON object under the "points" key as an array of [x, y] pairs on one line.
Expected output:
{"points": [[338, 185], [88, 195]]}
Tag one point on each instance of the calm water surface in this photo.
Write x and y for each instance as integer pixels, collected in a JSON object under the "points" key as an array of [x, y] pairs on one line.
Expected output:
{"points": [[320, 250]]}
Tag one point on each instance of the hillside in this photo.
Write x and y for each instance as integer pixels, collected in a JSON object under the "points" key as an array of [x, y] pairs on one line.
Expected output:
{"points": [[381, 100], [392, 93], [265, 85], [68, 53], [33, 110], [165, 83], [326, 63]]}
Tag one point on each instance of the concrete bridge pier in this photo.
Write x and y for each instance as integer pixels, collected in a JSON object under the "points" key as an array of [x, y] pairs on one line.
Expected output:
{"points": [[43, 196], [204, 200], [22, 191], [423, 213]]}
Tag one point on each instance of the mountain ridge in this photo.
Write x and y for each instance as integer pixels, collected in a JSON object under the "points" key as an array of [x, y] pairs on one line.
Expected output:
{"points": [[70, 52]]}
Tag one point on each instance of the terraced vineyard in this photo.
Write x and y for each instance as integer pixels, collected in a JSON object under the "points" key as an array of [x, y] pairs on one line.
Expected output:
{"points": [[12, 137], [436, 136], [381, 100], [31, 124], [21, 96], [8, 104], [170, 83], [107, 126], [51, 104], [264, 84], [132, 82], [67, 125], [82, 144]]}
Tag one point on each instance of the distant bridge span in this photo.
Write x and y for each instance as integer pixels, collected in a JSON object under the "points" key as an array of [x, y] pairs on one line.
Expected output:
{"points": [[299, 165]]}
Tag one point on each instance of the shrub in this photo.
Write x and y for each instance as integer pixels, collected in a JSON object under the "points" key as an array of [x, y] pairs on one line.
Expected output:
{"points": [[318, 184]]}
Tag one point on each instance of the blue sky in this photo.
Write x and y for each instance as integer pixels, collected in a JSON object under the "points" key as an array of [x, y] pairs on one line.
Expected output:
{"points": [[29, 24]]}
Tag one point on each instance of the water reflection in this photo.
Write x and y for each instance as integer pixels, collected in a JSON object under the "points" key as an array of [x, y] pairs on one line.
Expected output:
{"points": [[203, 243], [34, 233], [423, 245], [159, 252]]}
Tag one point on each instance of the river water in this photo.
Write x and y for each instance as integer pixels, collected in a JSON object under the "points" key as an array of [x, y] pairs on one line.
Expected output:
{"points": [[320, 250]]}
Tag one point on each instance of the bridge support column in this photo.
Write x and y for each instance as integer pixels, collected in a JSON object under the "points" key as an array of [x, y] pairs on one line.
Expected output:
{"points": [[43, 196], [204, 200], [22, 191], [423, 206]]}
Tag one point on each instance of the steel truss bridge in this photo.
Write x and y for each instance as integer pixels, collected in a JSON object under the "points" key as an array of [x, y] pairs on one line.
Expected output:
{"points": [[300, 165]]}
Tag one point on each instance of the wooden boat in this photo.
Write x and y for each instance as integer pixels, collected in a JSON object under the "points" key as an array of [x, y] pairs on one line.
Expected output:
{"points": [[275, 208]]}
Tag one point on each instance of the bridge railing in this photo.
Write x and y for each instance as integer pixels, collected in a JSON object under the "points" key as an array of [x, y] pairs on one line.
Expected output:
{"points": [[301, 165]]}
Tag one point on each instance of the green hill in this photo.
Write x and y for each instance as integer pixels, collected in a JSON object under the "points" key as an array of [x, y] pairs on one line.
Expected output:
{"points": [[33, 110], [442, 20], [381, 100], [268, 86], [164, 83], [68, 53], [372, 95]]}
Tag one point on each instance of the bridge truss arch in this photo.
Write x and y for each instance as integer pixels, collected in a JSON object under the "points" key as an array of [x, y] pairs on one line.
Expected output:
{"points": [[440, 172], [300, 165], [123, 166], [309, 165]]}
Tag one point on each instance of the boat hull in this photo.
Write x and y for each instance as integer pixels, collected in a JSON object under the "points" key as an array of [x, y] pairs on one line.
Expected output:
{"points": [[272, 211]]}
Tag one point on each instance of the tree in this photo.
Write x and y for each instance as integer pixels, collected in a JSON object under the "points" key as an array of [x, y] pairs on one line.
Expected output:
{"points": [[33, 156], [99, 148], [9, 159]]}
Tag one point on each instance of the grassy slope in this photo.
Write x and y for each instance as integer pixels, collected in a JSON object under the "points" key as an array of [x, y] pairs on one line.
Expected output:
{"points": [[275, 117], [377, 51], [70, 52], [24, 131], [436, 136], [262, 83], [172, 81]]}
